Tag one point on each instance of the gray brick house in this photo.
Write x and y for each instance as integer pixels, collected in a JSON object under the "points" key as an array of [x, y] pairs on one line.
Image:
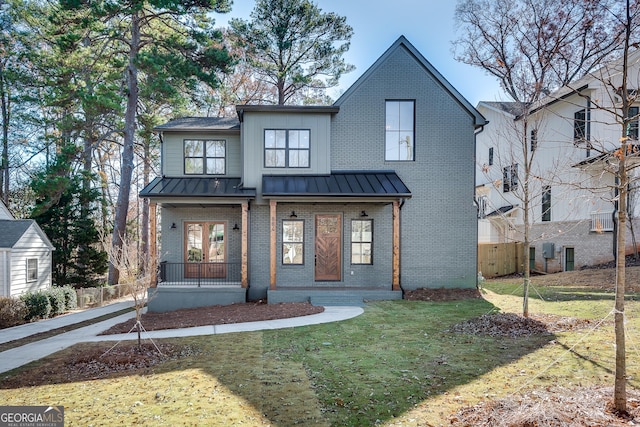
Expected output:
{"points": [[362, 199]]}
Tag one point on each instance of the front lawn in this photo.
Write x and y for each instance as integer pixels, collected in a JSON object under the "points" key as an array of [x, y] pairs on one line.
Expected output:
{"points": [[397, 364]]}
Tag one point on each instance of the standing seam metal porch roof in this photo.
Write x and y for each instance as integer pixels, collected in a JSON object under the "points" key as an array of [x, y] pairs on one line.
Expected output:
{"points": [[197, 187], [377, 184]]}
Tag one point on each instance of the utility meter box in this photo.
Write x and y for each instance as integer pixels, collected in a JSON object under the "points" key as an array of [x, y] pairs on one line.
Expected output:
{"points": [[548, 250]]}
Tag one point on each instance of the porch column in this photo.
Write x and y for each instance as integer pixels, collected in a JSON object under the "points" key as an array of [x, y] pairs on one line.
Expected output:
{"points": [[395, 256], [244, 273], [153, 247], [272, 246]]}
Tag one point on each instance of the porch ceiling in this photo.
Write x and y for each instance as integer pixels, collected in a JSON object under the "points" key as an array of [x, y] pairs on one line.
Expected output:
{"points": [[184, 189], [372, 185]]}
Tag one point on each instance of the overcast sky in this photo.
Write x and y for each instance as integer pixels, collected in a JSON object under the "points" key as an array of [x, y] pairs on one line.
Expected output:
{"points": [[427, 24]]}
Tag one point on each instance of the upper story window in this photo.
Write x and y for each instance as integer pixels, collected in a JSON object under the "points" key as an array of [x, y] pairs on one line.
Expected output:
{"points": [[286, 148], [579, 126], [490, 156], [534, 139], [546, 203], [400, 130], [510, 178], [204, 157], [632, 127]]}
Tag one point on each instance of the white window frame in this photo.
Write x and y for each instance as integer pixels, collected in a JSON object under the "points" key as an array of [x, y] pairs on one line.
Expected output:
{"points": [[32, 271]]}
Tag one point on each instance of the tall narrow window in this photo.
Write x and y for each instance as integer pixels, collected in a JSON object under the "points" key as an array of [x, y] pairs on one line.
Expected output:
{"points": [[510, 178], [286, 148], [32, 269], [490, 156], [632, 126], [292, 242], [361, 241], [546, 203], [399, 128], [204, 157], [534, 139], [579, 126]]}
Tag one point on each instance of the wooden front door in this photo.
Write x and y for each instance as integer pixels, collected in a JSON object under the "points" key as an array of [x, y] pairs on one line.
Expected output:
{"points": [[328, 247], [205, 250]]}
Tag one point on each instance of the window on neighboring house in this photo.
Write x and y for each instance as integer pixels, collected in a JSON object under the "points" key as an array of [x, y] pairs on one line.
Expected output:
{"points": [[579, 126], [483, 202], [361, 241], [510, 178], [204, 157], [286, 148], [546, 203], [490, 156], [534, 139], [32, 269], [399, 130], [632, 127], [293, 241]]}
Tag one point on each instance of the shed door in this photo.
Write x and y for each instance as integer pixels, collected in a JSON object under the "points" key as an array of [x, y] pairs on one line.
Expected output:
{"points": [[328, 245], [569, 256]]}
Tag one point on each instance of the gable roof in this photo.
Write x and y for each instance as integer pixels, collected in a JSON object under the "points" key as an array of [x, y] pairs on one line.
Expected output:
{"points": [[403, 43], [11, 230], [5, 213]]}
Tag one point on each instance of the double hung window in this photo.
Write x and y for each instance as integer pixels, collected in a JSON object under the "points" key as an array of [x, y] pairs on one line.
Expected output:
{"points": [[293, 242], [510, 178], [361, 241], [32, 269]]}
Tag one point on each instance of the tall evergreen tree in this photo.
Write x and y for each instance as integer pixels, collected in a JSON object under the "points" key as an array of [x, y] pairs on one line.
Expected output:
{"points": [[185, 50], [61, 211], [294, 46]]}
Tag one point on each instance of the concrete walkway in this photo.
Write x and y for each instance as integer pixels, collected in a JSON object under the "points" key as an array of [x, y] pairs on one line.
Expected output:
{"points": [[20, 356]]}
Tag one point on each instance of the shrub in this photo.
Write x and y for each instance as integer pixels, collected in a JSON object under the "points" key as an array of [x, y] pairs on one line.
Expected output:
{"points": [[12, 312], [38, 305], [70, 297], [57, 300]]}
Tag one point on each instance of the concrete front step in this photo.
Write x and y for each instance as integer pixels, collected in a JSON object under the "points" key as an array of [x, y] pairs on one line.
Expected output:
{"points": [[337, 300], [336, 296]]}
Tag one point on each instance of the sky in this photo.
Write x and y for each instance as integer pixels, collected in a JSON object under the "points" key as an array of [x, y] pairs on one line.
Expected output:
{"points": [[428, 24]]}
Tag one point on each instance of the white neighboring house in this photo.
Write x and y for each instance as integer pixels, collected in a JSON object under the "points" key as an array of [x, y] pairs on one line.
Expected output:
{"points": [[571, 141], [25, 255]]}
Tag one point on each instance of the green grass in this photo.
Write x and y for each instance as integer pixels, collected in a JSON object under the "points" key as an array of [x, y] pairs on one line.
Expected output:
{"points": [[396, 364]]}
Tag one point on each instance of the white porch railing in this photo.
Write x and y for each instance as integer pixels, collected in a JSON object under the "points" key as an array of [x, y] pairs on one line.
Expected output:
{"points": [[602, 221]]}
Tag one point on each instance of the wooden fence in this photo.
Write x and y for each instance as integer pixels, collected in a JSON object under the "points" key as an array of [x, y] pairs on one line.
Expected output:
{"points": [[500, 259]]}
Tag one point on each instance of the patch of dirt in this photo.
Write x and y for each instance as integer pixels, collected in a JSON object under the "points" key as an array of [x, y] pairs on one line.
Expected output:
{"points": [[217, 315], [514, 325], [92, 361], [441, 294], [593, 277], [552, 407]]}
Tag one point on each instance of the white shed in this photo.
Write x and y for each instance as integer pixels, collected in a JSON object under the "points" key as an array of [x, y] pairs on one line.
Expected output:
{"points": [[25, 256]]}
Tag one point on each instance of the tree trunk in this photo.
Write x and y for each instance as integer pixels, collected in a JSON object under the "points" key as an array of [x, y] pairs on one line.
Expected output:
{"points": [[146, 172], [126, 170], [620, 392], [4, 161]]}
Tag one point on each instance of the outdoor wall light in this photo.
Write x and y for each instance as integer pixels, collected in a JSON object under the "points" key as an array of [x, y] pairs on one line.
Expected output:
{"points": [[173, 226], [235, 227], [293, 215], [363, 214]]}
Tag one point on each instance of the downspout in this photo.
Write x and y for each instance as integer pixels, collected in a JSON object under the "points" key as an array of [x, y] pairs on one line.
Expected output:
{"points": [[476, 132], [161, 154]]}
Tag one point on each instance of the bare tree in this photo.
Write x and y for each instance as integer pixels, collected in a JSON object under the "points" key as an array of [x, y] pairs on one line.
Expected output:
{"points": [[532, 47]]}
